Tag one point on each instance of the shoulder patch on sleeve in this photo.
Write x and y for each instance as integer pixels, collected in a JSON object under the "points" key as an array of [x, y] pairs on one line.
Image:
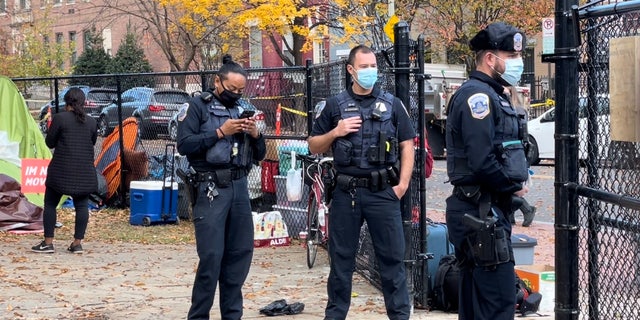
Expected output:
{"points": [[479, 105], [183, 111]]}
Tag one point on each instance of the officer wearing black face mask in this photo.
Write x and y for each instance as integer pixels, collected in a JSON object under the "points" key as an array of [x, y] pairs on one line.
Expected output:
{"points": [[221, 149], [486, 164]]}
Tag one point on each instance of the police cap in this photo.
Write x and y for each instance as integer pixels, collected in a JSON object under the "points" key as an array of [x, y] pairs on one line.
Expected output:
{"points": [[498, 36]]}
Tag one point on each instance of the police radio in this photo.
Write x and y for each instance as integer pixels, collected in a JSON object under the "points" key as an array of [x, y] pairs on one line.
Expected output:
{"points": [[206, 96]]}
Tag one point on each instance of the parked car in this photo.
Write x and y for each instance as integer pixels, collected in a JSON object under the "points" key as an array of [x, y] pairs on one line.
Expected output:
{"points": [[542, 131], [153, 108], [244, 105], [45, 109]]}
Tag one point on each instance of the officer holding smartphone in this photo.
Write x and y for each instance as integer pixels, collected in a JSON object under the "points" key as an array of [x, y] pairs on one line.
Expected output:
{"points": [[221, 145]]}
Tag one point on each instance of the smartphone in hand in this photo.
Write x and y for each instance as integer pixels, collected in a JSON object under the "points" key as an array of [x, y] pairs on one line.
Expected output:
{"points": [[247, 114]]}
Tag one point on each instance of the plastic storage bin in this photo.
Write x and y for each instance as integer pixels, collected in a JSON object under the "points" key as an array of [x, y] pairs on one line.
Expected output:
{"points": [[523, 246], [146, 202]]}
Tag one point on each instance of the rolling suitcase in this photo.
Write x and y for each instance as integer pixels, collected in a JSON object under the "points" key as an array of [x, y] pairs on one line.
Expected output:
{"points": [[438, 245]]}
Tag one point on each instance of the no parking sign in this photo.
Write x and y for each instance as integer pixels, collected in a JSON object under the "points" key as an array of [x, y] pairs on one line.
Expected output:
{"points": [[548, 35]]}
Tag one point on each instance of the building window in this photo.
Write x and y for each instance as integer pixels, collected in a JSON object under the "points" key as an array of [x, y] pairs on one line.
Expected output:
{"points": [[57, 2], [24, 4], [322, 52], [59, 38], [86, 40], [3, 6], [72, 43]]}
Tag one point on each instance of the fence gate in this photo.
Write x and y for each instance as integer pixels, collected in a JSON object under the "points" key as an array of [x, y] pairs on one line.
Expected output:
{"points": [[597, 178]]}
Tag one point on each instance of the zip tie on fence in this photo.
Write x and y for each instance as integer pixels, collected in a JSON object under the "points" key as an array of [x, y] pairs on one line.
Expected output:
{"points": [[294, 111]]}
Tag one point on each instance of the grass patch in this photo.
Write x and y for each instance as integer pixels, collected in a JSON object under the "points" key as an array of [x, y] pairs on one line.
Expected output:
{"points": [[112, 226]]}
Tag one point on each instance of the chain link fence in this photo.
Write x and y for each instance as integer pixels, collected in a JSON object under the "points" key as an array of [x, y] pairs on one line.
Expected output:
{"points": [[608, 171], [286, 100]]}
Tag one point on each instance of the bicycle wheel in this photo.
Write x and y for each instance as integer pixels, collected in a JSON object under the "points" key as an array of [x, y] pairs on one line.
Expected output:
{"points": [[314, 235]]}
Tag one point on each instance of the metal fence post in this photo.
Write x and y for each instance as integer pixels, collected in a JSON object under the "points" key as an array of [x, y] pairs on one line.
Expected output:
{"points": [[423, 280], [123, 188], [566, 159], [401, 72], [309, 99]]}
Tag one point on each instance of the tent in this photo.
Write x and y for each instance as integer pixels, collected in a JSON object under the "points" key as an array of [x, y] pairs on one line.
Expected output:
{"points": [[109, 163], [20, 136]]}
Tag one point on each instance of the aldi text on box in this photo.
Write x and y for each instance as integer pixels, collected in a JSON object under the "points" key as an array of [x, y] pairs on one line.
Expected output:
{"points": [[34, 175]]}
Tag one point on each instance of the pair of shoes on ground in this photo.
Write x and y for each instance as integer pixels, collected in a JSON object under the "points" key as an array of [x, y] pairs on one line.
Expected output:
{"points": [[43, 247]]}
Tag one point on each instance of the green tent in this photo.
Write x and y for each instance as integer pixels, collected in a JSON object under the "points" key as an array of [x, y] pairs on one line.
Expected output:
{"points": [[20, 136]]}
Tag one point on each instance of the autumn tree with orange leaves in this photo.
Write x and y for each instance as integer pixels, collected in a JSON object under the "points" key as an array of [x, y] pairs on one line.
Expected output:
{"points": [[450, 24]]}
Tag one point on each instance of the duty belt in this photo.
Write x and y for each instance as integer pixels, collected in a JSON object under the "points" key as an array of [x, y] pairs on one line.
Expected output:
{"points": [[345, 181], [218, 175]]}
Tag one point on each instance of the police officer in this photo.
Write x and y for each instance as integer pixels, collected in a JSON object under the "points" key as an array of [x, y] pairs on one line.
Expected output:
{"points": [[371, 136], [486, 164], [221, 148]]}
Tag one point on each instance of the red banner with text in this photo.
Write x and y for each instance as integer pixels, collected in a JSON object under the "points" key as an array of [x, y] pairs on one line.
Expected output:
{"points": [[34, 174]]}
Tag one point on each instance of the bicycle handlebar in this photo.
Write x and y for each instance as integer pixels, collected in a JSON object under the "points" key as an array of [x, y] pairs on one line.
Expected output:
{"points": [[305, 158]]}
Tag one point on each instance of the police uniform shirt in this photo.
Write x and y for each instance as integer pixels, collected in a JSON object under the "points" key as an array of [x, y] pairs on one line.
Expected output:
{"points": [[194, 142], [471, 119], [330, 115]]}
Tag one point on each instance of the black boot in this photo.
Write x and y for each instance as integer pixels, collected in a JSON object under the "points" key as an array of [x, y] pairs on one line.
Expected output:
{"points": [[528, 212]]}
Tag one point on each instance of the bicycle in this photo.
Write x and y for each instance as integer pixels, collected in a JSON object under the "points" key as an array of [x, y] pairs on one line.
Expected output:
{"points": [[318, 174]]}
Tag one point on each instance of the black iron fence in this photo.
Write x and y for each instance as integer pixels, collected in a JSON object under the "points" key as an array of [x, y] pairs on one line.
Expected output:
{"points": [[597, 204]]}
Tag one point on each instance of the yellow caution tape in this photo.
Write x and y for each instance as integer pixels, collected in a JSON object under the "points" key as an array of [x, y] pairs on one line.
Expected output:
{"points": [[277, 97], [294, 111], [548, 103]]}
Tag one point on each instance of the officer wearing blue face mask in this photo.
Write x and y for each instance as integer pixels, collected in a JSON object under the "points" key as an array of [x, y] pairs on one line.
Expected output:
{"points": [[371, 136], [487, 166]]}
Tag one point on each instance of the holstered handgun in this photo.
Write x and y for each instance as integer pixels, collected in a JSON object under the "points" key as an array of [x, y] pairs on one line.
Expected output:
{"points": [[191, 185], [489, 242], [329, 181]]}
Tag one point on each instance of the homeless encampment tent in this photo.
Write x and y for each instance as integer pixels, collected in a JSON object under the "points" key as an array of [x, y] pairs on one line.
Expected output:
{"points": [[16, 212], [20, 138], [109, 161]]}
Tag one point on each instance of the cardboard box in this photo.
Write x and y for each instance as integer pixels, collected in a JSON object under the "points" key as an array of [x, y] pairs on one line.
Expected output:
{"points": [[294, 218], [272, 149], [523, 246], [542, 279]]}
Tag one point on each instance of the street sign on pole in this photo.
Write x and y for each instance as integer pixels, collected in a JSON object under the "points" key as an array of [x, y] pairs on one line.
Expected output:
{"points": [[548, 35], [388, 28]]}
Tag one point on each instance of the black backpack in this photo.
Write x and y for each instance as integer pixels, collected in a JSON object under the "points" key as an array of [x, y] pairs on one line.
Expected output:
{"points": [[527, 301], [445, 291]]}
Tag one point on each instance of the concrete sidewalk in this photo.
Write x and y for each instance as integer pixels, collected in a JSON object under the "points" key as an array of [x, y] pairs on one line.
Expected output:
{"points": [[135, 282]]}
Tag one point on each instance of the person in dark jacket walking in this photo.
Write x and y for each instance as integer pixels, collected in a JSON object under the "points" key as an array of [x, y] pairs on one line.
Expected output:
{"points": [[71, 171]]}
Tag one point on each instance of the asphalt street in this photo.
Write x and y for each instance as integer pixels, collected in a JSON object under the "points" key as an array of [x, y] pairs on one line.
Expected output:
{"points": [[541, 192]]}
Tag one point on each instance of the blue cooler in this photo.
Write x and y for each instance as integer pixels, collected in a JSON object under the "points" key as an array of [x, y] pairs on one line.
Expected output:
{"points": [[147, 205]]}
